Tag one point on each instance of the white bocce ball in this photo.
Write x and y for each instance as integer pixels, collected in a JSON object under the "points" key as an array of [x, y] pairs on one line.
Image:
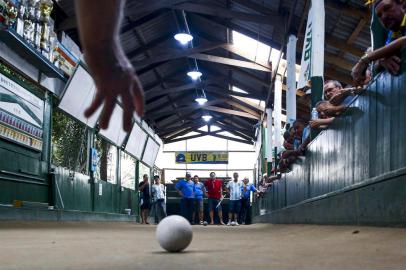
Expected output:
{"points": [[233, 223], [174, 233]]}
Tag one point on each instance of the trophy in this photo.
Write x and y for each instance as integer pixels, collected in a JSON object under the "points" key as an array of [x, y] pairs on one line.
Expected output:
{"points": [[29, 22], [47, 24], [20, 19], [38, 26], [8, 14]]}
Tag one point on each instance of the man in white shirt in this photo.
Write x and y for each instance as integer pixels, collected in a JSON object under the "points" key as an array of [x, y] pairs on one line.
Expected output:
{"points": [[158, 199], [235, 191]]}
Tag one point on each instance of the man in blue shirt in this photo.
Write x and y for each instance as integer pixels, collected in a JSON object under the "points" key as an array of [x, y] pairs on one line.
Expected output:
{"points": [[200, 191], [246, 189], [186, 189]]}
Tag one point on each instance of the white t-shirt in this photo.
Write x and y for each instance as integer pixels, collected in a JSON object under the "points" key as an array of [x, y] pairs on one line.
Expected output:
{"points": [[235, 190], [158, 192]]}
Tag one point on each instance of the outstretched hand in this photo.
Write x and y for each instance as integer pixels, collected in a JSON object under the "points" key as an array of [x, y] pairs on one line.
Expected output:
{"points": [[359, 73], [314, 123], [114, 76]]}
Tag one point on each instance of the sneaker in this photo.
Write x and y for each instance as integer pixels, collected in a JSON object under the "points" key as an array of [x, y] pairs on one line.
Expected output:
{"points": [[236, 224], [229, 223], [201, 222]]}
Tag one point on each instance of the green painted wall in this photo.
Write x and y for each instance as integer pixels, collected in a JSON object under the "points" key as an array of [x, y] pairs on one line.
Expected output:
{"points": [[75, 191], [364, 146], [24, 173]]}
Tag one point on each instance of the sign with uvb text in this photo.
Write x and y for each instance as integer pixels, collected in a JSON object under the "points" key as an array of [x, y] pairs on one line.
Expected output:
{"points": [[205, 157]]}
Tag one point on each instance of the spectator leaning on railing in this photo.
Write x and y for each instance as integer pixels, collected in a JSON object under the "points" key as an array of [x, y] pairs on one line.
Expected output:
{"points": [[289, 156], [289, 137], [337, 95], [326, 114], [391, 14], [336, 100]]}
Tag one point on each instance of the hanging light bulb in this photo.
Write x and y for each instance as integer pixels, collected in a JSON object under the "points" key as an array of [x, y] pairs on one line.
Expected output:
{"points": [[194, 74], [207, 117], [183, 38], [201, 99]]}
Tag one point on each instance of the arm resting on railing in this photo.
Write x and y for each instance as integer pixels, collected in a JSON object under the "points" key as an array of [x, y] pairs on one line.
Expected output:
{"points": [[386, 57]]}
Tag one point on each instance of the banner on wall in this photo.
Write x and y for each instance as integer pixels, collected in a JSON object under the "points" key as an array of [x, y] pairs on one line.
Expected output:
{"points": [[305, 71], [313, 47], [21, 114], [205, 157]]}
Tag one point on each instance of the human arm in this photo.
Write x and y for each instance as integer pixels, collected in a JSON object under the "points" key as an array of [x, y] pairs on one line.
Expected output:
{"points": [[221, 193], [274, 178], [112, 71], [386, 58], [317, 123], [143, 185], [339, 98], [253, 189], [287, 145], [153, 192], [163, 190], [179, 188], [205, 189], [227, 188], [330, 110], [290, 153]]}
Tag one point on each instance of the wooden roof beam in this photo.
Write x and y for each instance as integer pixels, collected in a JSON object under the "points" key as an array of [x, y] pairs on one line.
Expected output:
{"points": [[149, 46], [176, 54], [231, 112], [229, 61], [220, 12]]}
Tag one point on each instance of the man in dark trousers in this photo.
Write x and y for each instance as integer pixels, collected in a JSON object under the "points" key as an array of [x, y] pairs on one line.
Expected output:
{"points": [[186, 188], [247, 188], [214, 189]]}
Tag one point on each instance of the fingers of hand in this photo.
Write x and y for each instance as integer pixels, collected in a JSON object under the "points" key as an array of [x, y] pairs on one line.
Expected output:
{"points": [[138, 96], [391, 65], [109, 105], [393, 68], [396, 59], [128, 107], [96, 103]]}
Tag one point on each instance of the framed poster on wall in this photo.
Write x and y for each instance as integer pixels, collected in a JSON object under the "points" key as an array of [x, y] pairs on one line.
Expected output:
{"points": [[21, 115]]}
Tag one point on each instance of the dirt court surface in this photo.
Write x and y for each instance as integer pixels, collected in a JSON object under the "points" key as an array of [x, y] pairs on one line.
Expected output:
{"points": [[81, 245]]}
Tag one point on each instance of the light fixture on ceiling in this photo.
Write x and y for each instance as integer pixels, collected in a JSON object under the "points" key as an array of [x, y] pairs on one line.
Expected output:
{"points": [[183, 38], [194, 74], [207, 117], [201, 99]]}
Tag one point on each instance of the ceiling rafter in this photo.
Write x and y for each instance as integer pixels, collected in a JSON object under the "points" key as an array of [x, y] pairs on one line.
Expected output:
{"points": [[149, 46], [220, 12], [233, 131], [229, 61], [176, 54], [185, 109]]}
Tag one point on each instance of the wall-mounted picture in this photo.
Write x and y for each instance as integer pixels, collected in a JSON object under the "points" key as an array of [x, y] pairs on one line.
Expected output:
{"points": [[21, 114]]}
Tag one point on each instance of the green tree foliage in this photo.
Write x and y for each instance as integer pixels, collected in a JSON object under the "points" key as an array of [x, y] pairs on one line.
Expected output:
{"points": [[69, 143]]}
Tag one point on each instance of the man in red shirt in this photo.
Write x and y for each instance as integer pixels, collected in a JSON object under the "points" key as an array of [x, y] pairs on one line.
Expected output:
{"points": [[214, 189]]}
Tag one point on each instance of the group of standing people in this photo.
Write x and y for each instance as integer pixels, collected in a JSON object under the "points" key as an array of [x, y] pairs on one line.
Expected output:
{"points": [[157, 204], [193, 191]]}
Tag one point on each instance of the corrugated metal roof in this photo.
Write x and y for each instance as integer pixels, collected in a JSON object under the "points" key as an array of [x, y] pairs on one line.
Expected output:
{"points": [[155, 31]]}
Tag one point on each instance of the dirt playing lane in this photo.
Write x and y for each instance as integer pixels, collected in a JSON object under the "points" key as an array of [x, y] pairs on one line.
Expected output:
{"points": [[79, 245]]}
